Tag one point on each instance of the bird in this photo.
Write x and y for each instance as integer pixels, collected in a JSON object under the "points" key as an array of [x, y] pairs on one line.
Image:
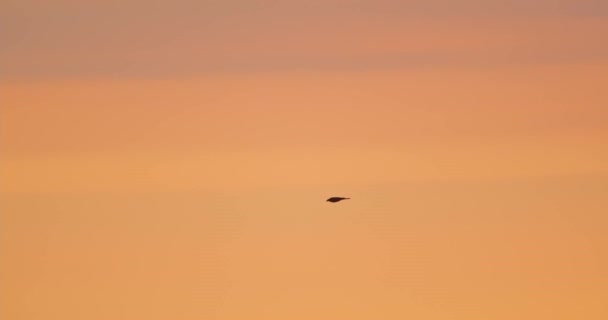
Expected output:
{"points": [[336, 199]]}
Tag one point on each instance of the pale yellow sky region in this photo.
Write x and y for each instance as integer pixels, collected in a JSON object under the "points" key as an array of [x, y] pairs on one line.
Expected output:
{"points": [[171, 160]]}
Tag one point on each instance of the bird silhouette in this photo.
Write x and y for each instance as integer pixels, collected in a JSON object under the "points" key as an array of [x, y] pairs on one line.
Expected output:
{"points": [[336, 199]]}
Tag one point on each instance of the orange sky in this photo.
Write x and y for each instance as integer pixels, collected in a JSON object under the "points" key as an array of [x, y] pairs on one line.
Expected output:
{"points": [[170, 161]]}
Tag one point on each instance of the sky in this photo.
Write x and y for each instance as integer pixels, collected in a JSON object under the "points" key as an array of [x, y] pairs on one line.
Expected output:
{"points": [[170, 160]]}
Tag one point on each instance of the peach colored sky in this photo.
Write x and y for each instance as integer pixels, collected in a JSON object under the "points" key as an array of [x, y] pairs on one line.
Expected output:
{"points": [[170, 160]]}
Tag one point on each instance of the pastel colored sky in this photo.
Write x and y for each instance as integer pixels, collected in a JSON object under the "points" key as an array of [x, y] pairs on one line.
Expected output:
{"points": [[170, 160]]}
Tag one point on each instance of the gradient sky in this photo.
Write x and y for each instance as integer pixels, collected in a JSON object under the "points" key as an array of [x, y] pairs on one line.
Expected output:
{"points": [[170, 160]]}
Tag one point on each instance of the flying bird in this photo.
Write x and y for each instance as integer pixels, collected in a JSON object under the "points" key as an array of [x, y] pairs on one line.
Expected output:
{"points": [[336, 199]]}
